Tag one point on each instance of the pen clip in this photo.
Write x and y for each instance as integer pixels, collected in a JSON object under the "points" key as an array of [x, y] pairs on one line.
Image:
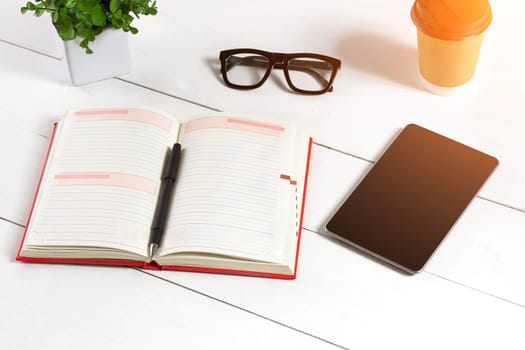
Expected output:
{"points": [[173, 162]]}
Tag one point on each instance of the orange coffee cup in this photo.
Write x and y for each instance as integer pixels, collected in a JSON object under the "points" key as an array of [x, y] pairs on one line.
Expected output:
{"points": [[449, 34]]}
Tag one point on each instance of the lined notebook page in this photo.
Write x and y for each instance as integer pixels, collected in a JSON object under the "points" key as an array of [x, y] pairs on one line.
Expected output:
{"points": [[234, 195], [101, 185]]}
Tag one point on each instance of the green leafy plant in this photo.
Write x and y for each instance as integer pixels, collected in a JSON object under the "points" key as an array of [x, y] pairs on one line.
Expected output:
{"points": [[87, 18]]}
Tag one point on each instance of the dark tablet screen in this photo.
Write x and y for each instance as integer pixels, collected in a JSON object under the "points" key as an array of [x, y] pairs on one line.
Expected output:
{"points": [[412, 196]]}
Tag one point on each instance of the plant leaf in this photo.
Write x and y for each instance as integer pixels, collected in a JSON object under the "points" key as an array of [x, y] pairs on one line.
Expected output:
{"points": [[85, 45], [70, 4], [98, 15], [67, 33], [114, 5]]}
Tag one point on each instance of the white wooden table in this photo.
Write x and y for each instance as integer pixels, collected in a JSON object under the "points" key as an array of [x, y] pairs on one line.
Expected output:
{"points": [[471, 294]]}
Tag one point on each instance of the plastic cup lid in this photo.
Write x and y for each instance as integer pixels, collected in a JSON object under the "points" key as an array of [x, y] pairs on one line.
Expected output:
{"points": [[451, 19]]}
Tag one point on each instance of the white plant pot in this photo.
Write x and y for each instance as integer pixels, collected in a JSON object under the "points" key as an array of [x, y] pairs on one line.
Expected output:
{"points": [[111, 57]]}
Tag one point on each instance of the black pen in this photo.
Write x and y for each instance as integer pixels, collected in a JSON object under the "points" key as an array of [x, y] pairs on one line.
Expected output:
{"points": [[166, 189]]}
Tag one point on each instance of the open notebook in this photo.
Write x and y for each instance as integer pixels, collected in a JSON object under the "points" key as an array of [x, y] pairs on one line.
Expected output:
{"points": [[236, 208]]}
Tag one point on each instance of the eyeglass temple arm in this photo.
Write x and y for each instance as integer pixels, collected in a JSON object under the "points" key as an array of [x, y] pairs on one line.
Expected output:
{"points": [[300, 65]]}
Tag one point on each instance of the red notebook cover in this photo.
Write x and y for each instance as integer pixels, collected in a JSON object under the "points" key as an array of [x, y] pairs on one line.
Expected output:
{"points": [[153, 265]]}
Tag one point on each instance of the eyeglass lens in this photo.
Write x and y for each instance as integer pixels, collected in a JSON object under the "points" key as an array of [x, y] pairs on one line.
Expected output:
{"points": [[305, 73], [309, 74], [246, 69]]}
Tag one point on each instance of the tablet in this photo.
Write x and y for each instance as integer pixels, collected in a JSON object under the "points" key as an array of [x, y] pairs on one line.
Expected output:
{"points": [[411, 198]]}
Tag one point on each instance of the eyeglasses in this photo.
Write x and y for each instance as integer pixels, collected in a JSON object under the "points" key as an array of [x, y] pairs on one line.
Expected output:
{"points": [[307, 73]]}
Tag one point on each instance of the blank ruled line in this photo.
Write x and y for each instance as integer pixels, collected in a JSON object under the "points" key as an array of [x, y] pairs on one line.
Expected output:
{"points": [[80, 143], [94, 241], [268, 170], [103, 161], [69, 234], [117, 192], [230, 145], [106, 167], [220, 225], [58, 196], [76, 217], [79, 222], [76, 224], [206, 198], [117, 130], [223, 137], [142, 169], [188, 210], [65, 197], [91, 210], [230, 191], [117, 126], [194, 178], [226, 183], [237, 180], [152, 142], [76, 167], [211, 136], [86, 214], [206, 213], [111, 155], [241, 159], [234, 132], [247, 203], [120, 124], [97, 204], [242, 163], [251, 143], [119, 133], [248, 146], [252, 209], [146, 208], [113, 152], [145, 130], [125, 145]]}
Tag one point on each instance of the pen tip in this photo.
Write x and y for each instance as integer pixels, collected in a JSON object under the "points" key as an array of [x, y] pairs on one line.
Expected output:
{"points": [[153, 248]]}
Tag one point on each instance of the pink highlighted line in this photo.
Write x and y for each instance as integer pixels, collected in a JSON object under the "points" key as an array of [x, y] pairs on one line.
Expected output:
{"points": [[107, 179], [102, 111], [233, 123], [135, 115], [256, 124], [82, 176]]}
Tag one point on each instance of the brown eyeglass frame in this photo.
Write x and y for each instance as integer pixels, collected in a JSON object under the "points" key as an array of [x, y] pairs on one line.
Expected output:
{"points": [[281, 61]]}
